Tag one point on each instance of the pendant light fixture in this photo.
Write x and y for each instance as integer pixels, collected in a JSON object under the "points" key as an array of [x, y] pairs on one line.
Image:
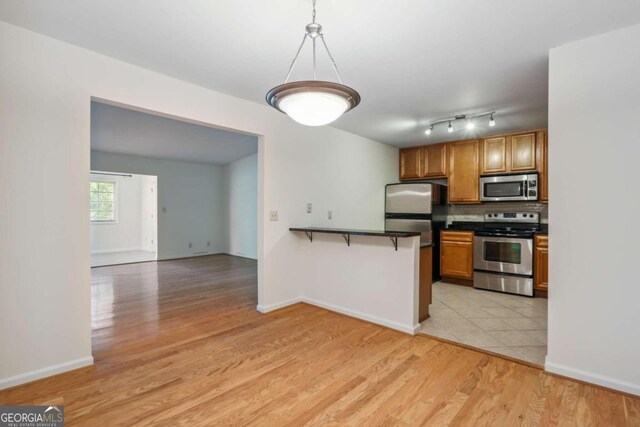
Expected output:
{"points": [[313, 102]]}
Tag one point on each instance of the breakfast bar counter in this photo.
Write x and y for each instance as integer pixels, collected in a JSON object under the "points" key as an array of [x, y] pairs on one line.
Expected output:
{"points": [[346, 233], [369, 274]]}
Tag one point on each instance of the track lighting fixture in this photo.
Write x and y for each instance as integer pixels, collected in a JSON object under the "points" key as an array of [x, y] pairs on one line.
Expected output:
{"points": [[468, 117]]}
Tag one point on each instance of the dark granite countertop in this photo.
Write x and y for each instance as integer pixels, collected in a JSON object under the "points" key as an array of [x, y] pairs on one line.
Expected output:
{"points": [[544, 229], [466, 225], [356, 232], [479, 225]]}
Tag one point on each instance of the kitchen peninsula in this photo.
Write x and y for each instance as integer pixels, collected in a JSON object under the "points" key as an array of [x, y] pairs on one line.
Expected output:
{"points": [[375, 275]]}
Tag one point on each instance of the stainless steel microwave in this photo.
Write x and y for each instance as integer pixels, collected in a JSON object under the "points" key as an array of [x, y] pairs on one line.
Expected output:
{"points": [[504, 188]]}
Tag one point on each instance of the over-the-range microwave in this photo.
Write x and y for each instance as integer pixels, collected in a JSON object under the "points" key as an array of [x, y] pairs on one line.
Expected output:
{"points": [[504, 188]]}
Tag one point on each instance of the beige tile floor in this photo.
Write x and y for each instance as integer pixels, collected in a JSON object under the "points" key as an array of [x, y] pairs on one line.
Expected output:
{"points": [[512, 325]]}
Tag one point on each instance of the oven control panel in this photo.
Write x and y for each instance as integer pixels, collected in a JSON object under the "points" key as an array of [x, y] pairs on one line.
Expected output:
{"points": [[512, 217]]}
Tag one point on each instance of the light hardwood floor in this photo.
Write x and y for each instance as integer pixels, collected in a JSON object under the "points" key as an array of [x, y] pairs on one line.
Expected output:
{"points": [[180, 343]]}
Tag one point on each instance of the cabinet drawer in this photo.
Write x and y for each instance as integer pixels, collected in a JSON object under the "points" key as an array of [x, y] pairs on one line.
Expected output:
{"points": [[541, 241], [457, 236]]}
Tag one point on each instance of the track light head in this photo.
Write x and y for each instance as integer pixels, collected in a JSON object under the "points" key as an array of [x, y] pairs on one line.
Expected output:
{"points": [[449, 128], [491, 121], [428, 131], [470, 124]]}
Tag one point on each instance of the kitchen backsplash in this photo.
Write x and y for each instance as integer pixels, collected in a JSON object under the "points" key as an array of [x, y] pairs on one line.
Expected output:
{"points": [[476, 212]]}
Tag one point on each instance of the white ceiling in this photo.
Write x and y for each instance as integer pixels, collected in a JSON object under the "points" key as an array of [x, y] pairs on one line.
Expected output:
{"points": [[413, 61], [119, 130]]}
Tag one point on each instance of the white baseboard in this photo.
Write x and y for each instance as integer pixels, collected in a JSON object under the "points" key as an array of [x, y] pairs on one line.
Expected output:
{"points": [[407, 329], [191, 255], [44, 372], [111, 251], [593, 378], [411, 330], [241, 256], [267, 308]]}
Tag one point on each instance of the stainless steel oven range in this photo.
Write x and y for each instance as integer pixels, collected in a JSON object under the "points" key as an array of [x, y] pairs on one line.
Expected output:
{"points": [[503, 252]]}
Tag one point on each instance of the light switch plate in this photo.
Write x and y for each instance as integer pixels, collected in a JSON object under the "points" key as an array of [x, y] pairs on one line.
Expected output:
{"points": [[330, 214], [309, 207], [273, 215]]}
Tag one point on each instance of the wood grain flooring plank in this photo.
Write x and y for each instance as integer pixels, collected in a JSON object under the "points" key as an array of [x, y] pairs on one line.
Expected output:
{"points": [[181, 343]]}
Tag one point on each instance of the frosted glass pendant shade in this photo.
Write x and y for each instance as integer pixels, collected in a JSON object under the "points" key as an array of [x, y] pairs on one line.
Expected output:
{"points": [[313, 108], [313, 103]]}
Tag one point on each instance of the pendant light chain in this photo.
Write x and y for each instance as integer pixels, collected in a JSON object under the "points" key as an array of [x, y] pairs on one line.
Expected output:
{"points": [[313, 14], [313, 21], [313, 40]]}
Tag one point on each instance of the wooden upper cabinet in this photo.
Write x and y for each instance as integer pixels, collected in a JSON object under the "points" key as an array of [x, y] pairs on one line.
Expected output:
{"points": [[494, 155], [523, 152], [411, 163], [464, 172], [435, 163], [543, 160]]}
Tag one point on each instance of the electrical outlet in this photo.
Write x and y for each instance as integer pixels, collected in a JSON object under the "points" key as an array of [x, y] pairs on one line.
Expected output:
{"points": [[208, 243], [164, 209], [273, 215], [309, 207], [330, 214], [190, 244]]}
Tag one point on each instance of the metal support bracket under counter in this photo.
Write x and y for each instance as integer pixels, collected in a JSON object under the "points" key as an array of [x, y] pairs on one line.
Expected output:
{"points": [[347, 233]]}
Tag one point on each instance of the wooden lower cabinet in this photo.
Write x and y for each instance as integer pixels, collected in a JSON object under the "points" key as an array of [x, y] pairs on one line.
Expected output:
{"points": [[456, 254], [541, 263], [425, 279]]}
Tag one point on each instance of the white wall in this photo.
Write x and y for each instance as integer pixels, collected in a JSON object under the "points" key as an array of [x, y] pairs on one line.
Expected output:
{"points": [[242, 208], [46, 88], [191, 206], [126, 233], [594, 145]]}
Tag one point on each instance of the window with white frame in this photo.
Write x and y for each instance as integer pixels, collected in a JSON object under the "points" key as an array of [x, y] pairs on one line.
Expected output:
{"points": [[103, 201]]}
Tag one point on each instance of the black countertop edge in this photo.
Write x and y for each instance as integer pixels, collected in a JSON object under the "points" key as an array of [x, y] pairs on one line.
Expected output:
{"points": [[379, 233], [478, 225]]}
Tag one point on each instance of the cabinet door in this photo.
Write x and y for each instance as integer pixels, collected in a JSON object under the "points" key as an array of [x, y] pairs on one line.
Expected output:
{"points": [[464, 172], [426, 278], [411, 163], [494, 155], [544, 166], [456, 259], [523, 152], [541, 263], [435, 161]]}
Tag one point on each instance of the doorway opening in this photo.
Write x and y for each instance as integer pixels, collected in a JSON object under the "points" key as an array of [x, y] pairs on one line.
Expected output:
{"points": [[123, 212]]}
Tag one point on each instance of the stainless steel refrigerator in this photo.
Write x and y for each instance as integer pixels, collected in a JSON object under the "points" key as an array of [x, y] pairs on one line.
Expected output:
{"points": [[419, 206]]}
